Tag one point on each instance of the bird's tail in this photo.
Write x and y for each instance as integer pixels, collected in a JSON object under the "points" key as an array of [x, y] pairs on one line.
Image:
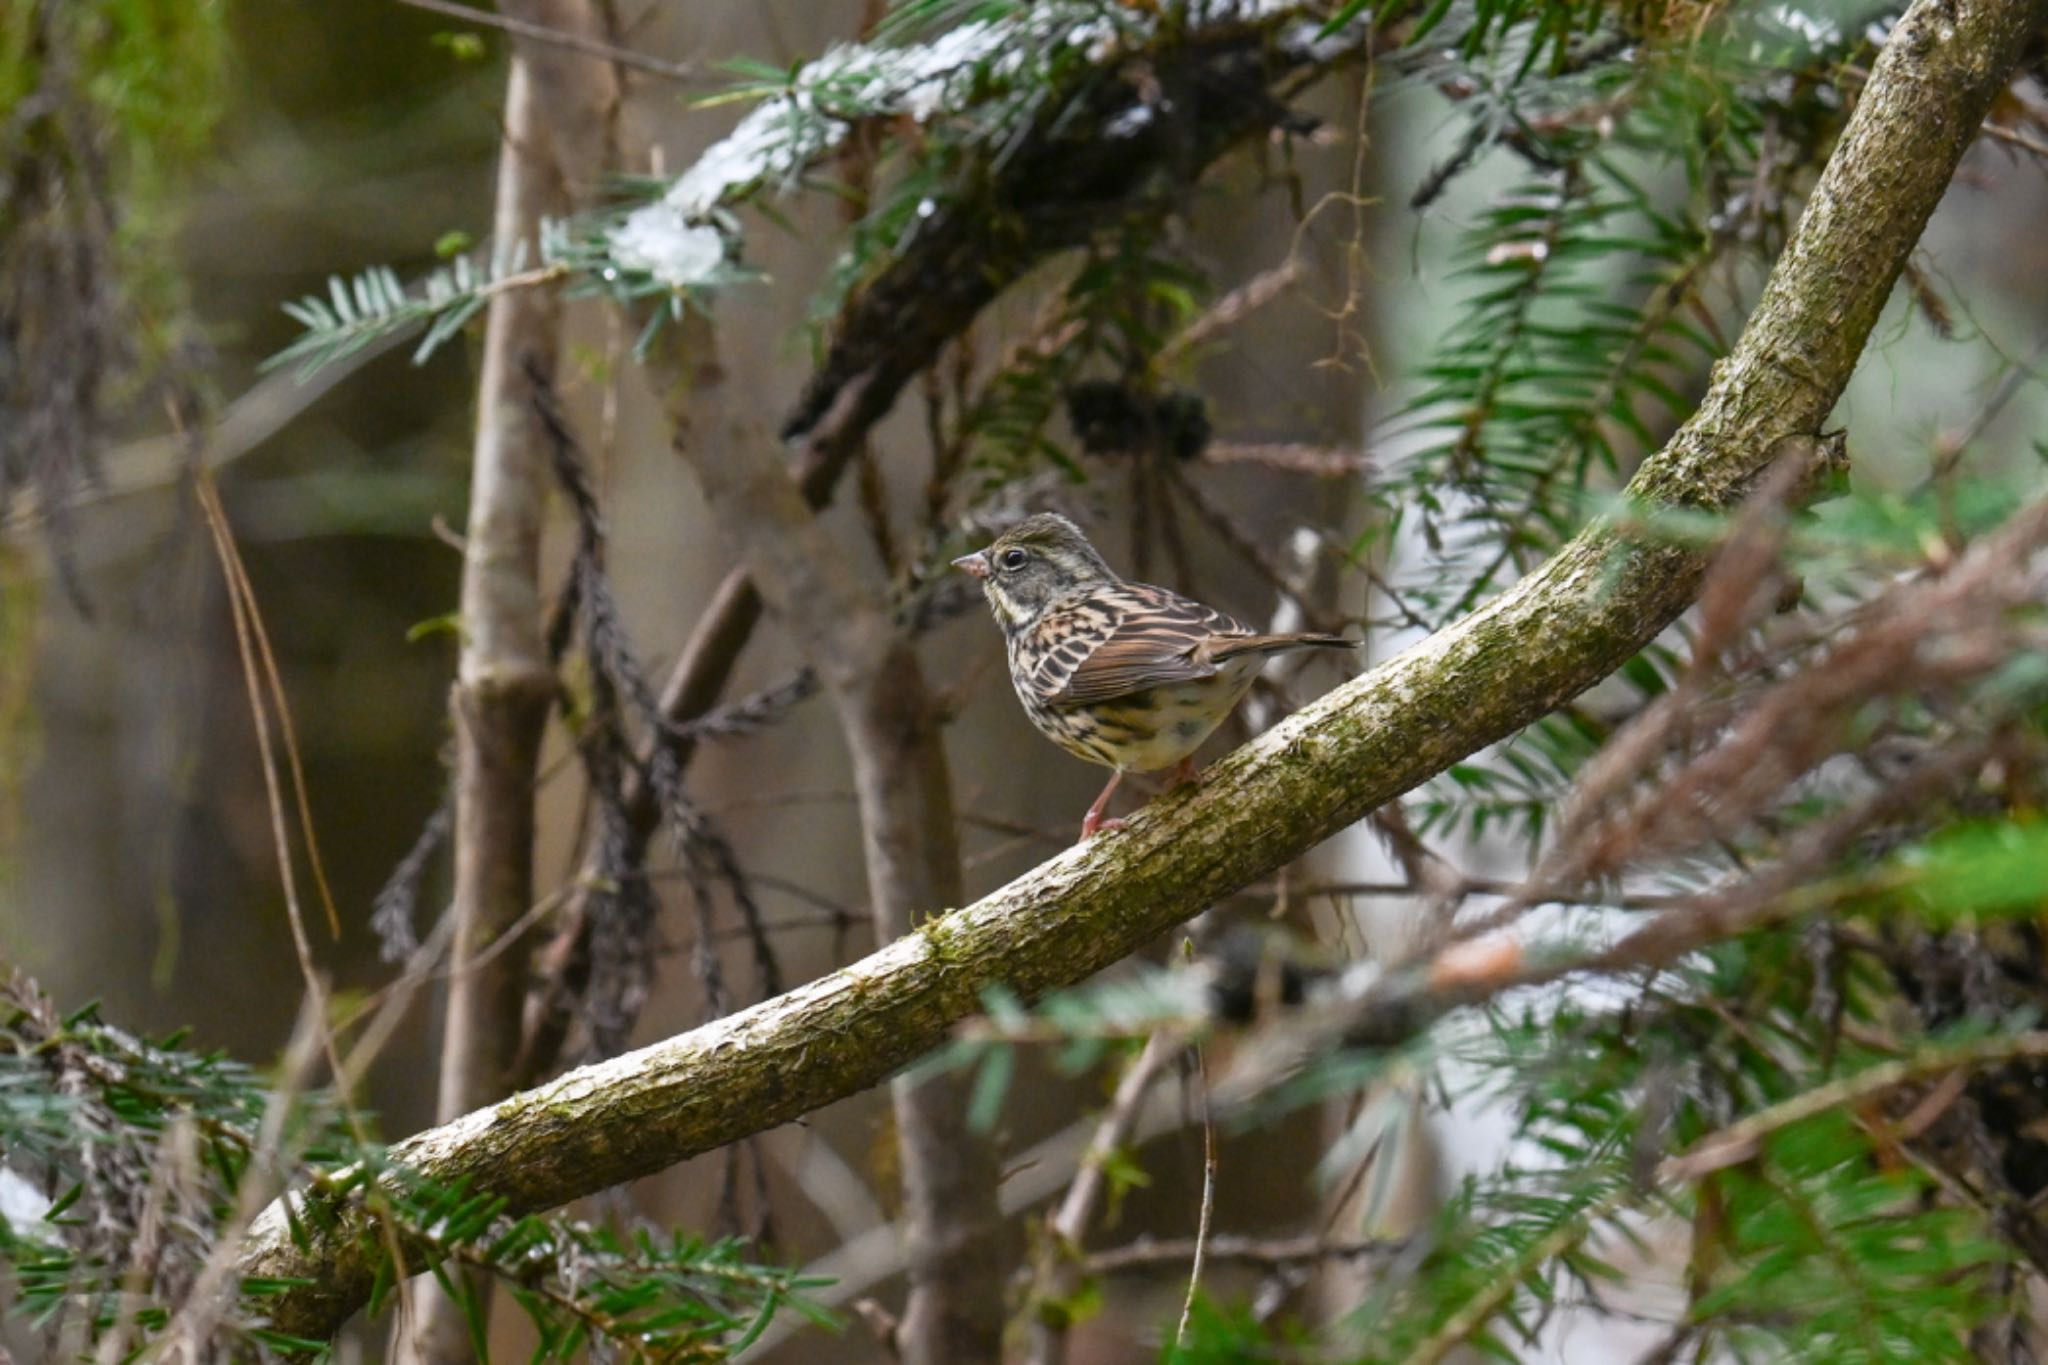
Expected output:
{"points": [[1278, 644]]}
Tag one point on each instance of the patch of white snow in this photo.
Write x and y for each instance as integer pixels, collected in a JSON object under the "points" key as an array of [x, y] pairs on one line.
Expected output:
{"points": [[661, 240]]}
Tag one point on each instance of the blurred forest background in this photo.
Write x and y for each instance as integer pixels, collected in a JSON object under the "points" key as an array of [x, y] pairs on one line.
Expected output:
{"points": [[1320, 279]]}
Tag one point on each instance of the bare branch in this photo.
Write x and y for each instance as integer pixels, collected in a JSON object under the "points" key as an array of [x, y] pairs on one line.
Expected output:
{"points": [[1056, 1276], [565, 38], [1264, 1253]]}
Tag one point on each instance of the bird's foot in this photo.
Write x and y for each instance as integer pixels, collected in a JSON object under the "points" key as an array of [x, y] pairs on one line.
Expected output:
{"points": [[1095, 824], [1186, 774], [1095, 821]]}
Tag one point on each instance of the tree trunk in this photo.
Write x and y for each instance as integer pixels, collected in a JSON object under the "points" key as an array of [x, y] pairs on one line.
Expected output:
{"points": [[558, 113], [956, 1233]]}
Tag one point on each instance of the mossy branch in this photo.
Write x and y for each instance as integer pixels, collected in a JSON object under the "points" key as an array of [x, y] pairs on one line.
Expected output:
{"points": [[1556, 633]]}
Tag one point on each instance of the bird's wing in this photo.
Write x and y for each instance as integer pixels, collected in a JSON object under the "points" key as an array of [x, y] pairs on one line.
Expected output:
{"points": [[1121, 638]]}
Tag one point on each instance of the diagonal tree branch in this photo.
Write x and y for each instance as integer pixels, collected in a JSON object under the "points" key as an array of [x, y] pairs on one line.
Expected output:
{"points": [[1554, 634], [1066, 190], [558, 130]]}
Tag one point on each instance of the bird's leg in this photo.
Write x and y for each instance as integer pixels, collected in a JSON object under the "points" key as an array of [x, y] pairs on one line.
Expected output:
{"points": [[1093, 821], [1185, 774]]}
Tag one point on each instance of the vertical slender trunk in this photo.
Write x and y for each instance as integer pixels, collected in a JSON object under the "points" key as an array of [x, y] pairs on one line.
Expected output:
{"points": [[835, 606], [957, 1250], [503, 683], [559, 110]]}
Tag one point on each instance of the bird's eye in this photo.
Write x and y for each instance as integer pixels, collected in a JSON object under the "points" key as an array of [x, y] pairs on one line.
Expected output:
{"points": [[1014, 559]]}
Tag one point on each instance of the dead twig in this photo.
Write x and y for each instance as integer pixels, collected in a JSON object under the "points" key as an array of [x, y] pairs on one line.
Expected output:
{"points": [[1265, 1253], [1208, 1206], [684, 73], [1056, 1276]]}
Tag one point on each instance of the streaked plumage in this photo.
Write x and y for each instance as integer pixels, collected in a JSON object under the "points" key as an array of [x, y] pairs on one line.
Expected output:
{"points": [[1128, 675]]}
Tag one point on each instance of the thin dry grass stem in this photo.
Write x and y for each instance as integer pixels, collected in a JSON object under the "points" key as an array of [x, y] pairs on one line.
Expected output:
{"points": [[243, 608], [241, 604], [1207, 1215], [240, 589]]}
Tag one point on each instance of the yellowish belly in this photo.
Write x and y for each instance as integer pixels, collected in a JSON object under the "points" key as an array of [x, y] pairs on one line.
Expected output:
{"points": [[1148, 730]]}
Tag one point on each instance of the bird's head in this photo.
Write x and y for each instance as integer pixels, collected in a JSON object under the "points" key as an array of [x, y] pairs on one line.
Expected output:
{"points": [[1032, 565]]}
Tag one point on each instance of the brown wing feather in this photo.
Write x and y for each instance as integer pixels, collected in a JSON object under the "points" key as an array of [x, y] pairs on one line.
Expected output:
{"points": [[1124, 638], [1278, 644]]}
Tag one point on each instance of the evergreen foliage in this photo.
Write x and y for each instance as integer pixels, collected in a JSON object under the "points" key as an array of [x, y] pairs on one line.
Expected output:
{"points": [[132, 1170]]}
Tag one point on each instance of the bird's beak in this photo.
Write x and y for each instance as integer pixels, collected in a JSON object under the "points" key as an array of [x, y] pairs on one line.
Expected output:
{"points": [[975, 564]]}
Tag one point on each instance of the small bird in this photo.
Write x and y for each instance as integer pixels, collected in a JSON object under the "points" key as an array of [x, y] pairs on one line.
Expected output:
{"points": [[1128, 675]]}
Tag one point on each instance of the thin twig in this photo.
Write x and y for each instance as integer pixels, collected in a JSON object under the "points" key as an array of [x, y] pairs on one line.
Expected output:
{"points": [[1208, 1213], [1240, 303], [1487, 886], [1056, 1275], [1150, 1253], [1952, 447], [681, 72], [1741, 1140], [1252, 552], [1293, 457], [2017, 139]]}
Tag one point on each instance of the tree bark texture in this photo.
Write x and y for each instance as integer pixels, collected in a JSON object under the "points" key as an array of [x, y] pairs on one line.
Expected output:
{"points": [[1557, 632]]}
